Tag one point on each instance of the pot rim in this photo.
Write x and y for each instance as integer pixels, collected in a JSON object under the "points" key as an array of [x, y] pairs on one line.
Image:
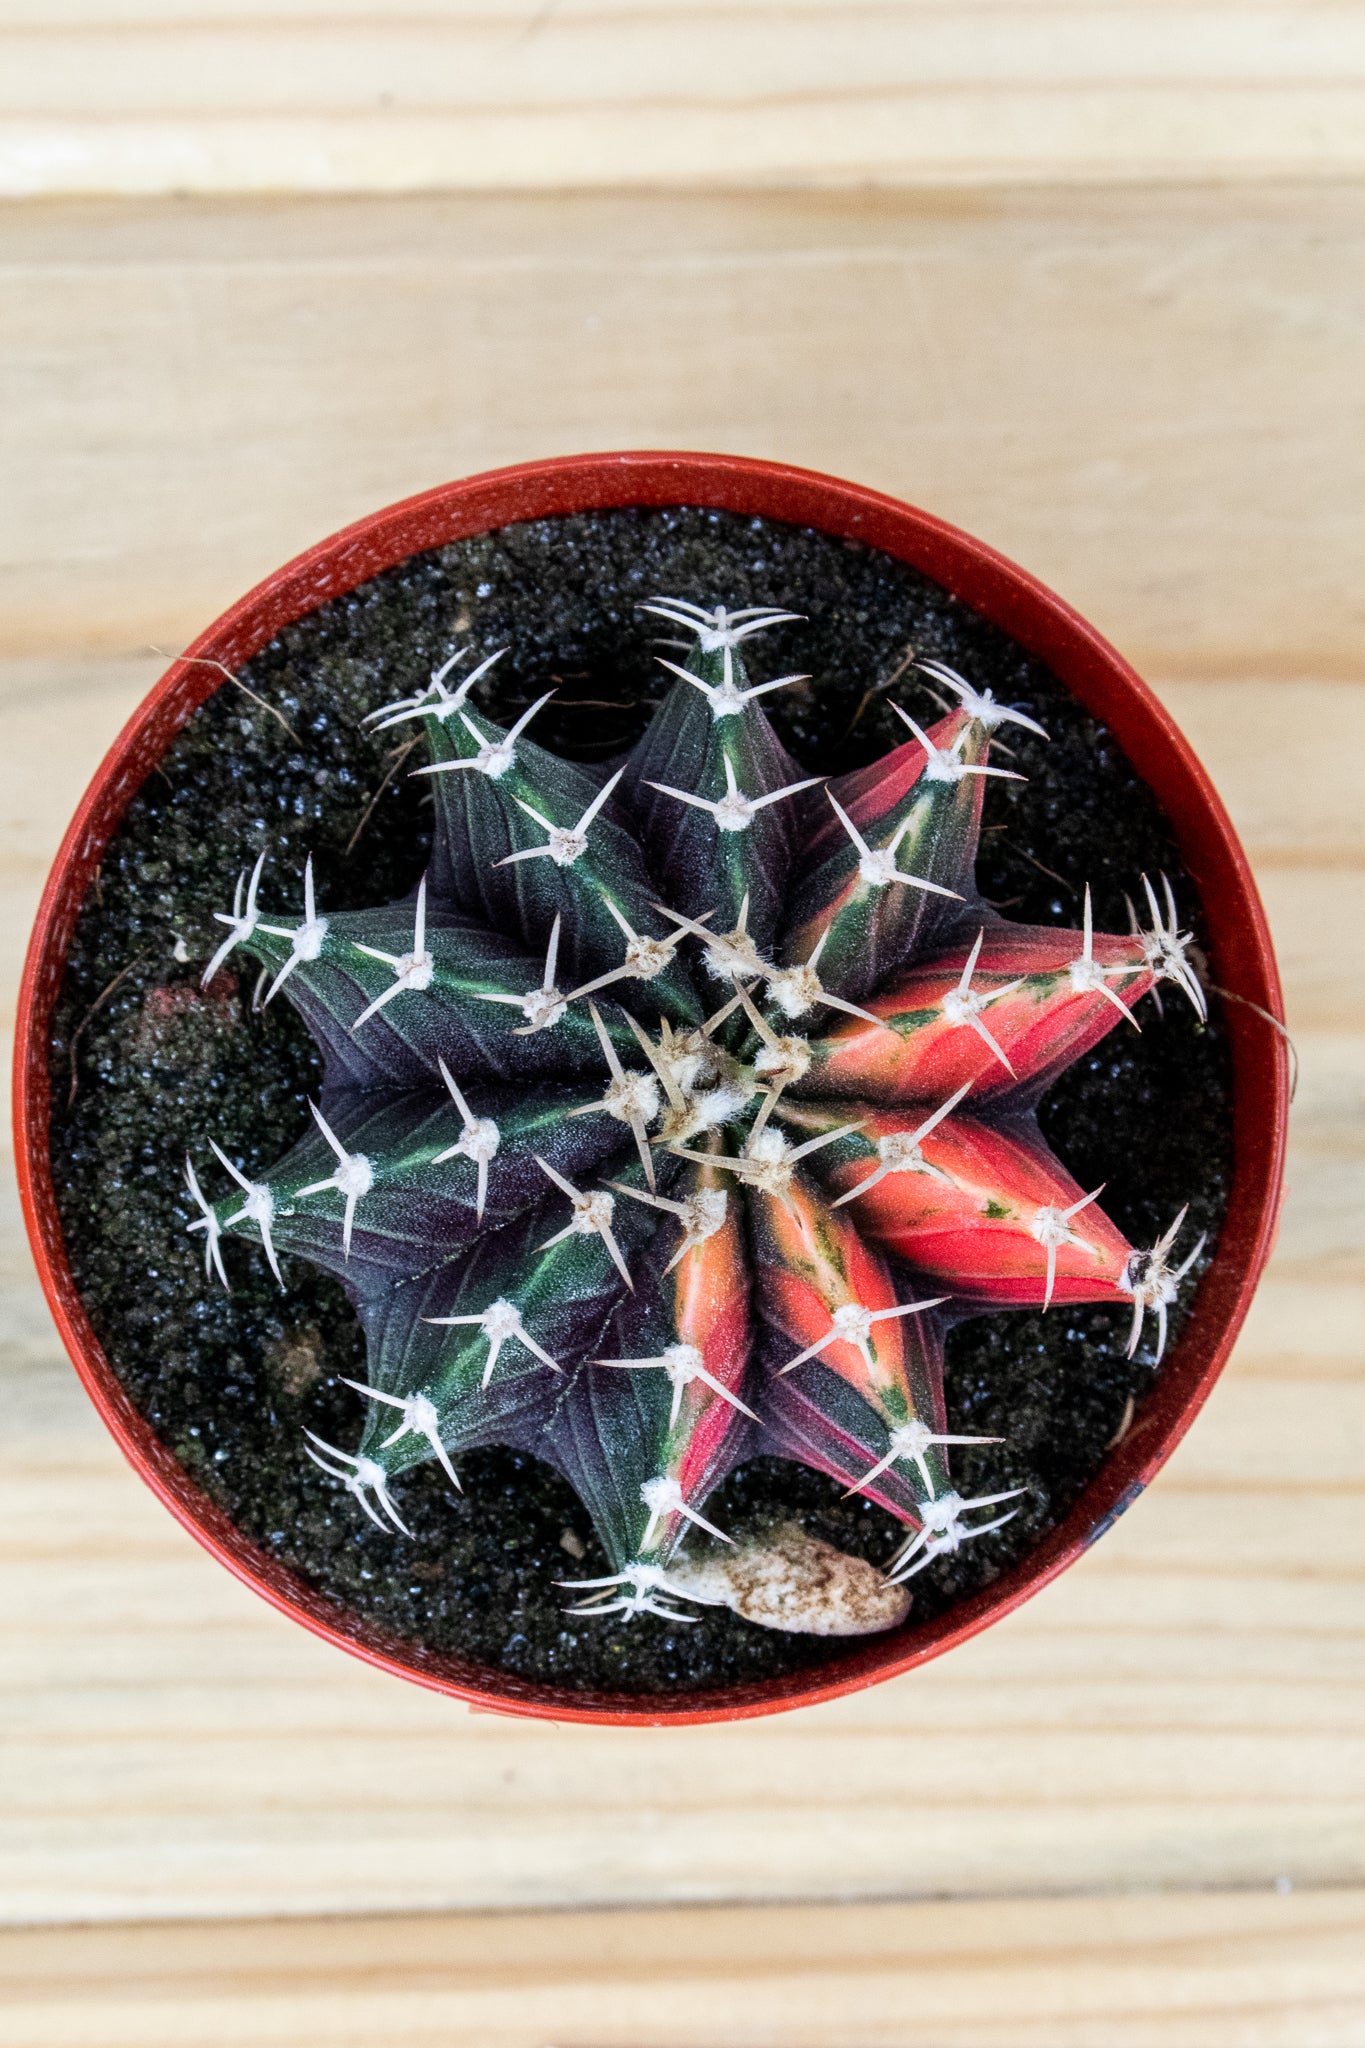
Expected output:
{"points": [[1241, 957]]}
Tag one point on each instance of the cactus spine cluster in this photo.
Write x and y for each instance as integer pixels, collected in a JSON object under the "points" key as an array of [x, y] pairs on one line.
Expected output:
{"points": [[680, 1107]]}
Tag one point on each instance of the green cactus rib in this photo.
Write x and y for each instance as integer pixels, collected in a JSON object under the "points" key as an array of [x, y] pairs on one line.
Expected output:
{"points": [[630, 1151]]}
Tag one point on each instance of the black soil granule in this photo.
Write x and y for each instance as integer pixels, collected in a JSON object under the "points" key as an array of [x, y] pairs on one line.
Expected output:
{"points": [[145, 1067]]}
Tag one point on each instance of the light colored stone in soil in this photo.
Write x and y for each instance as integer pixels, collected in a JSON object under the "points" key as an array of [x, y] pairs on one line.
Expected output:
{"points": [[790, 1580]]}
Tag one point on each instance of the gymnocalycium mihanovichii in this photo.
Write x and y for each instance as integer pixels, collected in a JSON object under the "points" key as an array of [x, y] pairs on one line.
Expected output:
{"points": [[682, 1107]]}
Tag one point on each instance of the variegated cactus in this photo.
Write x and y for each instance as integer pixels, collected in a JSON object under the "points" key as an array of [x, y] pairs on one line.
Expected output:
{"points": [[680, 1108]]}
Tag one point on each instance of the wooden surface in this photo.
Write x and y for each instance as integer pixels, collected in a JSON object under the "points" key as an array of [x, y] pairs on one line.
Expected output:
{"points": [[1152, 398], [167, 96], [1047, 1973]]}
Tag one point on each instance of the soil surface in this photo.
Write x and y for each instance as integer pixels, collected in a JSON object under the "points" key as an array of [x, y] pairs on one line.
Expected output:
{"points": [[145, 1067]]}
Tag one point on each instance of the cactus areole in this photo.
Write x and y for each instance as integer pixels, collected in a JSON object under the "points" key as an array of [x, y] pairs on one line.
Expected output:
{"points": [[689, 1097]]}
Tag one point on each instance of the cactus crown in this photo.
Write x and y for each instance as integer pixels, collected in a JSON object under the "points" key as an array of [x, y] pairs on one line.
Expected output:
{"points": [[682, 1105]]}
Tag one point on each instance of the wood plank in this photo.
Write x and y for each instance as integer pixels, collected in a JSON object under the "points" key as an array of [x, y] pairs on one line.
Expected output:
{"points": [[122, 96], [1184, 1971], [1124, 1729], [1151, 397], [1316, 916], [1184, 1707], [200, 390], [1241, 729]]}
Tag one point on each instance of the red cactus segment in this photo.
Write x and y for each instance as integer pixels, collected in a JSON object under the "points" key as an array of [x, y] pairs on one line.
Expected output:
{"points": [[855, 1385], [872, 875], [710, 1307], [871, 796], [988, 1212], [666, 1413], [827, 1294], [815, 1418], [1013, 1008]]}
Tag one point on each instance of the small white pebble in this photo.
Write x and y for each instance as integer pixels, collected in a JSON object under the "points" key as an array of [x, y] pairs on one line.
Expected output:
{"points": [[793, 1581], [181, 951], [573, 1543]]}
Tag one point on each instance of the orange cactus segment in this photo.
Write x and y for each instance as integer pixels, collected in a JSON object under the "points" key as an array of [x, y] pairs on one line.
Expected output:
{"points": [[1010, 1009], [710, 1302], [828, 1295], [987, 1212]]}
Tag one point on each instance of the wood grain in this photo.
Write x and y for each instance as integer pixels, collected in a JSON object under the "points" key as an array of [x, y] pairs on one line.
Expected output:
{"points": [[170, 96], [1187, 1971], [1183, 1707], [1153, 398]]}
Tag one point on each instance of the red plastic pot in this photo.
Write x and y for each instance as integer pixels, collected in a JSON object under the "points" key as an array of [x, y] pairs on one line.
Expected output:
{"points": [[1242, 963]]}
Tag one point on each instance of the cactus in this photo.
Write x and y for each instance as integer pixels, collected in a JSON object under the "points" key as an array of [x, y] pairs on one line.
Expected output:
{"points": [[679, 1109]]}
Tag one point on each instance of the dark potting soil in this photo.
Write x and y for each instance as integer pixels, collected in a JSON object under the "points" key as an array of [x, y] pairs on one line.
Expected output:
{"points": [[145, 1067]]}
